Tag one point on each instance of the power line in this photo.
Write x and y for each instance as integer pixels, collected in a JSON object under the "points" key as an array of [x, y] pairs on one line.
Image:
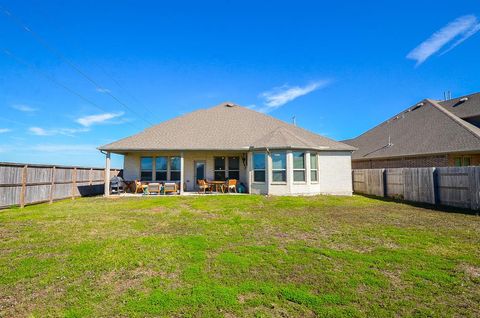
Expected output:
{"points": [[59, 55], [52, 79]]}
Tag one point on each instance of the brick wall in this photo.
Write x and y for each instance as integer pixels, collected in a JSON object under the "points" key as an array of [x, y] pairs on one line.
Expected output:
{"points": [[405, 162]]}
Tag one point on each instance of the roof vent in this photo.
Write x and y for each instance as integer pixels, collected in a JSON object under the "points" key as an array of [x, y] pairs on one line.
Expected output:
{"points": [[416, 106], [463, 100], [229, 105]]}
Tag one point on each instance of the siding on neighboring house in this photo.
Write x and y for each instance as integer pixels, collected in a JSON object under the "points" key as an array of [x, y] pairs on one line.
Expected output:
{"points": [[447, 160]]}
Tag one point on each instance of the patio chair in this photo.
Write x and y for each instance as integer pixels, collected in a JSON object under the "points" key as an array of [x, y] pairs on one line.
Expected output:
{"points": [[170, 187], [203, 186], [231, 184], [154, 188], [138, 187]]}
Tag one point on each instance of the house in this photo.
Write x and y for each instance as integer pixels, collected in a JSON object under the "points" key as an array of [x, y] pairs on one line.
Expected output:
{"points": [[428, 134], [267, 155]]}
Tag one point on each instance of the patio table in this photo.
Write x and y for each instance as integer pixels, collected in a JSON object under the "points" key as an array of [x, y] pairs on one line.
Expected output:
{"points": [[216, 184]]}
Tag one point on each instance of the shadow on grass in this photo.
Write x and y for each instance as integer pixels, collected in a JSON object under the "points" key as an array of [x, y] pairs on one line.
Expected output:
{"points": [[433, 207]]}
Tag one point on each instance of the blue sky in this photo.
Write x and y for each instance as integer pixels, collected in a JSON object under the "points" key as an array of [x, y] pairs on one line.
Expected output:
{"points": [[340, 67]]}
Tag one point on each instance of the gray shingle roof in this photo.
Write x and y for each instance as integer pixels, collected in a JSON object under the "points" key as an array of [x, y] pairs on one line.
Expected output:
{"points": [[467, 109], [224, 127], [429, 129]]}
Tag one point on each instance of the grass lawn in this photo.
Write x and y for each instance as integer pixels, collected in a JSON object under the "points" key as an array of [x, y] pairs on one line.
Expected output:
{"points": [[238, 256]]}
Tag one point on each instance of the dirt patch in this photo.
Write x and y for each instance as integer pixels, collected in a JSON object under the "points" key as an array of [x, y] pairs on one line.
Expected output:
{"points": [[470, 270]]}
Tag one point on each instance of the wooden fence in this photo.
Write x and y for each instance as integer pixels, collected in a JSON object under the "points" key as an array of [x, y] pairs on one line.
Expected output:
{"points": [[22, 184], [451, 186]]}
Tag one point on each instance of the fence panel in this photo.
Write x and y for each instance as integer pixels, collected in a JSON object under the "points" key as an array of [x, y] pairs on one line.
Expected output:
{"points": [[458, 186], [451, 186], [394, 183], [419, 185], [22, 184]]}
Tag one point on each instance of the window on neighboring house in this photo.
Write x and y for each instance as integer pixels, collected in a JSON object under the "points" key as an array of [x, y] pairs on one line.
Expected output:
{"points": [[146, 168], [313, 167], [279, 167], [219, 168], [174, 168], [161, 168], [259, 167], [462, 161], [234, 168], [298, 166]]}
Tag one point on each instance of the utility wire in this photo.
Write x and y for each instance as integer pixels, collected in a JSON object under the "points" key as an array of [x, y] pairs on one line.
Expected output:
{"points": [[54, 80], [59, 55]]}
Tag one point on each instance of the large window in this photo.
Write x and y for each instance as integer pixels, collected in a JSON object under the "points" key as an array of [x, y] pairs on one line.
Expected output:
{"points": [[174, 168], [298, 166], [146, 168], [234, 168], [313, 167], [219, 168], [161, 168], [259, 167], [279, 167]]}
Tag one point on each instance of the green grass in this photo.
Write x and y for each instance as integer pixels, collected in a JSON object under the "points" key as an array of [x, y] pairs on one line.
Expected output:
{"points": [[238, 256]]}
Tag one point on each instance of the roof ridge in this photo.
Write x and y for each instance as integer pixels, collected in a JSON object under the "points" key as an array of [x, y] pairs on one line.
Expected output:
{"points": [[462, 123], [289, 125]]}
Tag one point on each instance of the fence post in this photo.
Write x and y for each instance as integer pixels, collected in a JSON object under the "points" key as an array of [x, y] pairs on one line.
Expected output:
{"points": [[384, 183], [52, 185], [24, 186], [74, 182], [474, 185], [90, 177]]}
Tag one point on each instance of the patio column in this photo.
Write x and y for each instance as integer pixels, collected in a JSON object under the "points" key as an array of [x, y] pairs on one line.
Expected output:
{"points": [[182, 172], [249, 171], [107, 174]]}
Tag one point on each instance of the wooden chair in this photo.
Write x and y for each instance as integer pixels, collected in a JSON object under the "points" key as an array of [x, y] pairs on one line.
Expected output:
{"points": [[138, 187], [231, 184], [170, 187], [154, 188], [203, 185]]}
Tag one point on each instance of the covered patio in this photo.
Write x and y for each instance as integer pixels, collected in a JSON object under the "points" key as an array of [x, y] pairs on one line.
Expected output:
{"points": [[192, 172]]}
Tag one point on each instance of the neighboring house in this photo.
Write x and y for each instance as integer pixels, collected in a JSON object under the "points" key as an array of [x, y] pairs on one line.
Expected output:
{"points": [[428, 134], [267, 155]]}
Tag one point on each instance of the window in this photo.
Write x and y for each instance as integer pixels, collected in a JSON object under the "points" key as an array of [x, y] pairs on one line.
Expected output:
{"points": [[279, 167], [298, 166], [259, 167], [313, 167], [462, 161], [234, 168], [219, 168], [161, 168], [174, 168], [146, 168]]}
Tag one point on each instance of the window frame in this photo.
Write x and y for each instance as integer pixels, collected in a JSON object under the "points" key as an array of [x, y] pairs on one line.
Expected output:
{"points": [[284, 154], [215, 170], [314, 169], [157, 171], [304, 170], [258, 170], [146, 170], [170, 170], [233, 170]]}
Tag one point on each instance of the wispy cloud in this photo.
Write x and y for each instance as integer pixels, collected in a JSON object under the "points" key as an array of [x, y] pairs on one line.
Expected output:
{"points": [[38, 131], [460, 30], [103, 90], [88, 121], [279, 96], [5, 130], [24, 108]]}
